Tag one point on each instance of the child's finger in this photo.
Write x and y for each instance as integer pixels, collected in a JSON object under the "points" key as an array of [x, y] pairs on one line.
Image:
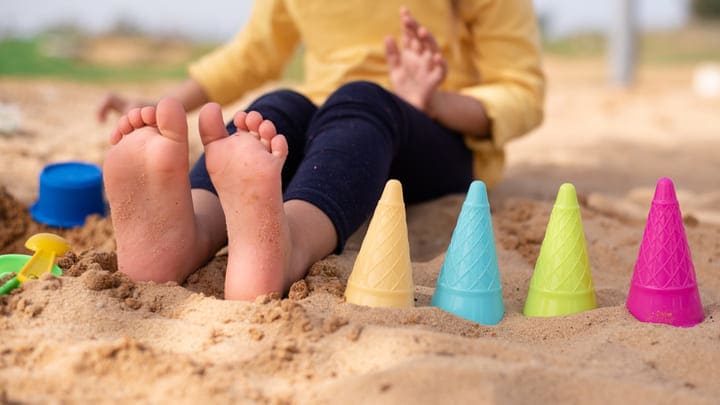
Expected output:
{"points": [[392, 53], [439, 60], [411, 30], [408, 21], [405, 39], [428, 39], [425, 55], [413, 41], [111, 102], [410, 41], [416, 45], [441, 64]]}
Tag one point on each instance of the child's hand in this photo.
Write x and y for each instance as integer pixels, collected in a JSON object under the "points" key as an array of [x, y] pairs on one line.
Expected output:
{"points": [[118, 104], [418, 68]]}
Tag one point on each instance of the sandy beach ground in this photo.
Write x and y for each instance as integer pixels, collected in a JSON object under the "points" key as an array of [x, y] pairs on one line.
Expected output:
{"points": [[93, 336]]}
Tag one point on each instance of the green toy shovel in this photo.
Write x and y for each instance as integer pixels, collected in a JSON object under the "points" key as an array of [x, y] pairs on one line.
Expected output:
{"points": [[47, 247]]}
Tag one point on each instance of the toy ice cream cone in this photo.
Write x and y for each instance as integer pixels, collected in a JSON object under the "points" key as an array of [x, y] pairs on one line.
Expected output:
{"points": [[382, 274], [562, 283], [663, 287], [469, 282]]}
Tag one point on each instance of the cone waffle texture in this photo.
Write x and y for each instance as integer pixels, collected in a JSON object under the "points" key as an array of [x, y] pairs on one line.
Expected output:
{"points": [[382, 274], [663, 287], [469, 282], [562, 283]]}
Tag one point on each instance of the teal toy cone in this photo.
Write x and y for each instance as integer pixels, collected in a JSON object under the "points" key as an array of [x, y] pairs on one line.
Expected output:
{"points": [[469, 282]]}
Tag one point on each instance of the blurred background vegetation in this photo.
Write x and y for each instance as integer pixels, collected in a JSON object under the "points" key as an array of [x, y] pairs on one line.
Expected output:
{"points": [[119, 54], [706, 9], [697, 41], [124, 52]]}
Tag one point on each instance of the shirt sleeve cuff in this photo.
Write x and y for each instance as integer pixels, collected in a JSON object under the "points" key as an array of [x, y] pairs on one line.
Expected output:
{"points": [[511, 111]]}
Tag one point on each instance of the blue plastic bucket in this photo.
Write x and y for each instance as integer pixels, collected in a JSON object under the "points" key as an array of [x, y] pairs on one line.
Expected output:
{"points": [[69, 192]]}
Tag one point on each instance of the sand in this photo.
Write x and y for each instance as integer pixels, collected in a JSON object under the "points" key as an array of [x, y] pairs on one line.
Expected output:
{"points": [[94, 336]]}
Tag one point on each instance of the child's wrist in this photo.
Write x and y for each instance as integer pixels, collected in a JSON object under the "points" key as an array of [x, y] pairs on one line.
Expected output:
{"points": [[432, 106]]}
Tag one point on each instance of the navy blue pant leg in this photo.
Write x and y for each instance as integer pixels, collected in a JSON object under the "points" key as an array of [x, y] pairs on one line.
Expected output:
{"points": [[362, 136]]}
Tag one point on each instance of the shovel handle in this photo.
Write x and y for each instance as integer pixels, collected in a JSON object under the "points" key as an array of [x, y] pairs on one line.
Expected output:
{"points": [[10, 285]]}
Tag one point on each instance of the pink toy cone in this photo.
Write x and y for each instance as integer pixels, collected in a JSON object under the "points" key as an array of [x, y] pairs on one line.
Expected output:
{"points": [[664, 288]]}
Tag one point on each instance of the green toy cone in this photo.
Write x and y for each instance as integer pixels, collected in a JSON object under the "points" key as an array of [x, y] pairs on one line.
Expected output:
{"points": [[562, 283]]}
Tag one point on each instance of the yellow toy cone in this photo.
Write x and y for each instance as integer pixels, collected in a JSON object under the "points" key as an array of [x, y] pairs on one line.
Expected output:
{"points": [[382, 274], [562, 283]]}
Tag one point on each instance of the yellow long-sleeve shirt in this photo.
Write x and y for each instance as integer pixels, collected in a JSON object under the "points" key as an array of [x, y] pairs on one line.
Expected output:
{"points": [[492, 48]]}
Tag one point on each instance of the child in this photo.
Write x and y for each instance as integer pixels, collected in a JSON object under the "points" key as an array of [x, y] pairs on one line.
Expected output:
{"points": [[306, 167]]}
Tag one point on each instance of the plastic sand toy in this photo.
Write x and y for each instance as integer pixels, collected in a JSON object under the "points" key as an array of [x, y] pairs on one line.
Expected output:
{"points": [[69, 192], [382, 274], [47, 247], [562, 283], [664, 287], [469, 281]]}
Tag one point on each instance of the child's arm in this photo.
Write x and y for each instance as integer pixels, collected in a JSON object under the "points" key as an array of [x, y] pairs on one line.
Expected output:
{"points": [[506, 52], [418, 69], [460, 112], [189, 93]]}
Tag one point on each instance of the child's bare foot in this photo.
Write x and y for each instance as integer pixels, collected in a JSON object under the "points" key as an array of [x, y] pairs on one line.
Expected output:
{"points": [[245, 169], [147, 185]]}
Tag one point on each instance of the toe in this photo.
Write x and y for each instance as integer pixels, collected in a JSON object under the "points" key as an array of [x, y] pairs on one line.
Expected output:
{"points": [[171, 119], [148, 115], [135, 118], [211, 124], [279, 147], [115, 137], [253, 121], [267, 131], [239, 121], [124, 126]]}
